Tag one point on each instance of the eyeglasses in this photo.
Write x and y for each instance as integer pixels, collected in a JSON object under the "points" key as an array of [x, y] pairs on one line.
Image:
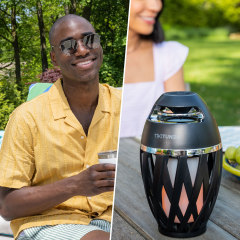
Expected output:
{"points": [[89, 41]]}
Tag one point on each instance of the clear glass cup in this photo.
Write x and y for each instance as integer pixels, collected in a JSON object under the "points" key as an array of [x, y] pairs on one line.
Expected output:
{"points": [[108, 157]]}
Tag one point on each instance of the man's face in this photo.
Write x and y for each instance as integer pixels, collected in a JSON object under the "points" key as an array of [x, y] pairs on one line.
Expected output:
{"points": [[82, 65]]}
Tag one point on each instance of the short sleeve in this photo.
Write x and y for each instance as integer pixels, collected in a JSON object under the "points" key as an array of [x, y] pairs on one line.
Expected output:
{"points": [[16, 154], [174, 55]]}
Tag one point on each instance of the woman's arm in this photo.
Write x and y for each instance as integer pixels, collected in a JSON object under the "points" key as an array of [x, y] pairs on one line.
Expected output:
{"points": [[175, 83]]}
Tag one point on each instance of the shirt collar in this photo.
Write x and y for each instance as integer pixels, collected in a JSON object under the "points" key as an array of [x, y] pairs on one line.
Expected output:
{"points": [[60, 106]]}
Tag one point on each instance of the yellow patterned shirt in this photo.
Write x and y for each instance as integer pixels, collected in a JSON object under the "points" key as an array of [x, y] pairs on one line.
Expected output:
{"points": [[44, 142]]}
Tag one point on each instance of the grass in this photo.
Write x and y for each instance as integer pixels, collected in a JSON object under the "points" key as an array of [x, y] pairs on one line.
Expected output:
{"points": [[213, 71]]}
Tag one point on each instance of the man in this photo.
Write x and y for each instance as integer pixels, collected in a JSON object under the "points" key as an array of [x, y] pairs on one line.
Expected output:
{"points": [[52, 186]]}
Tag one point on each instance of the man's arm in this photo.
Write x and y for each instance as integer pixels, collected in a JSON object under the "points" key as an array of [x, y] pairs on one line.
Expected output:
{"points": [[27, 201]]}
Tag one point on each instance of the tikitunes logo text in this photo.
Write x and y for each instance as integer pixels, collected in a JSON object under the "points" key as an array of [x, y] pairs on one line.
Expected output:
{"points": [[165, 136]]}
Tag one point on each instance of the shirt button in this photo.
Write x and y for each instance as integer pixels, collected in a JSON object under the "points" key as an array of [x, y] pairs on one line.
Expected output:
{"points": [[87, 166], [82, 137]]}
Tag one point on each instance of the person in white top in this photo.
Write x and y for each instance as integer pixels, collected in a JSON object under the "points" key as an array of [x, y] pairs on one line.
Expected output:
{"points": [[153, 66]]}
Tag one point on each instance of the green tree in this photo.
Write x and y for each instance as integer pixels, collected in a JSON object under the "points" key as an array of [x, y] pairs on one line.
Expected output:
{"points": [[9, 32], [42, 35], [230, 11], [201, 13], [33, 20]]}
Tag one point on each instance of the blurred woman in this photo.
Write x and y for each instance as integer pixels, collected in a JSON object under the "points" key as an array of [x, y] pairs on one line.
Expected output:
{"points": [[153, 66]]}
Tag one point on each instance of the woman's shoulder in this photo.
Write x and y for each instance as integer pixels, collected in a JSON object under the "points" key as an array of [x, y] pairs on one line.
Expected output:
{"points": [[170, 45], [174, 55], [172, 51]]}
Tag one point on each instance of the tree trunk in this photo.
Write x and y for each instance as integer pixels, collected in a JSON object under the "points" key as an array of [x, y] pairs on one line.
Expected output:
{"points": [[15, 45], [66, 9], [87, 11], [126, 5], [42, 36], [73, 7]]}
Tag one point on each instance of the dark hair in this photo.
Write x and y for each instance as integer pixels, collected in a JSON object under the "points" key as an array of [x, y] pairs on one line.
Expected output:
{"points": [[157, 35]]}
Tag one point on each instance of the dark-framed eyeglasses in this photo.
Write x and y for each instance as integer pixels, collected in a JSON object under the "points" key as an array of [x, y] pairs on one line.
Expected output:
{"points": [[89, 41]]}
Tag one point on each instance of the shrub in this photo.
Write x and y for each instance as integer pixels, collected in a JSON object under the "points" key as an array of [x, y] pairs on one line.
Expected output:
{"points": [[11, 96]]}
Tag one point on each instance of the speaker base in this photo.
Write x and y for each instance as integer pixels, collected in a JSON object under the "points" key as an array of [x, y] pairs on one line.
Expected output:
{"points": [[182, 235]]}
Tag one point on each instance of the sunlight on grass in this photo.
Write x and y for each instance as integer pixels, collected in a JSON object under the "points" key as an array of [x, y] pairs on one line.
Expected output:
{"points": [[213, 71]]}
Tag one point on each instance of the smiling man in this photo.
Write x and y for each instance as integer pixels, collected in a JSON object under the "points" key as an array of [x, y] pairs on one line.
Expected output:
{"points": [[52, 186]]}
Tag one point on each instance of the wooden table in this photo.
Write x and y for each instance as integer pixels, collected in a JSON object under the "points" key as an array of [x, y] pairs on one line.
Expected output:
{"points": [[133, 218]]}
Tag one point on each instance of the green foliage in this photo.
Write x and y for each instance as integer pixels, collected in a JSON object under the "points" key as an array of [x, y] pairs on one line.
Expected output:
{"points": [[10, 98], [179, 32], [230, 11], [184, 13], [202, 13]]}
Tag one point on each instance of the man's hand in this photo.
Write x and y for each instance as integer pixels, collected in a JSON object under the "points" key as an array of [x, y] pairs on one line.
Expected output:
{"points": [[96, 179], [27, 201]]}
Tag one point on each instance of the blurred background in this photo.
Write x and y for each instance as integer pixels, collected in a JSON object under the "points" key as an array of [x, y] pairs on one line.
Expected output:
{"points": [[24, 45], [211, 30]]}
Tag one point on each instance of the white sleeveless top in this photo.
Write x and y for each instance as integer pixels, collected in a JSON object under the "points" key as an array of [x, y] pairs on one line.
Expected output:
{"points": [[138, 98]]}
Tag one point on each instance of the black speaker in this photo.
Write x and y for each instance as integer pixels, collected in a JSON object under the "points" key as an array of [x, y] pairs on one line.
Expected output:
{"points": [[181, 159]]}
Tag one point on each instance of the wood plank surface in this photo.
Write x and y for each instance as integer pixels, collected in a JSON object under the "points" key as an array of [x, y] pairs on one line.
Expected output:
{"points": [[123, 230], [131, 203], [226, 212]]}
